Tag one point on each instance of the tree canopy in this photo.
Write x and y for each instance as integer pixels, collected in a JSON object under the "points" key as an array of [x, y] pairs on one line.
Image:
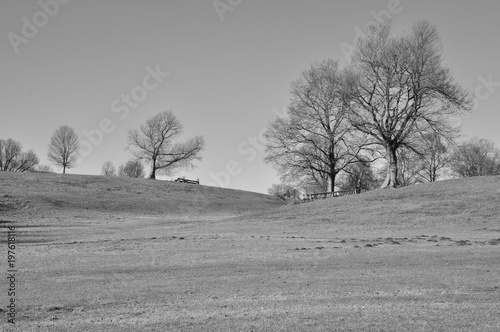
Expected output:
{"points": [[154, 143], [13, 159], [315, 139], [395, 96], [64, 148], [398, 90]]}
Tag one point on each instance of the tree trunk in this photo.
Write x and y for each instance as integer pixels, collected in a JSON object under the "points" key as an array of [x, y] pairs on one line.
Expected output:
{"points": [[64, 169], [153, 170], [332, 181], [433, 174], [391, 180], [433, 169]]}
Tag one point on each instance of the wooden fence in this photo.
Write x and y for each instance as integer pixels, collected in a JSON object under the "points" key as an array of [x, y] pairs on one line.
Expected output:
{"points": [[312, 197], [182, 180]]}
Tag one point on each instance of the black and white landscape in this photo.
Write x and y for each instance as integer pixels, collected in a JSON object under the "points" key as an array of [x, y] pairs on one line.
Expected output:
{"points": [[236, 165]]}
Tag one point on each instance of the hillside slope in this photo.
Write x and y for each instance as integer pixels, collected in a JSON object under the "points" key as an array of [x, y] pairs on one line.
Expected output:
{"points": [[44, 195], [112, 254], [451, 203], [466, 202]]}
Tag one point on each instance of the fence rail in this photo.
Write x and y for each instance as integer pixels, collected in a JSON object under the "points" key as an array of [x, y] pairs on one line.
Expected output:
{"points": [[312, 197]]}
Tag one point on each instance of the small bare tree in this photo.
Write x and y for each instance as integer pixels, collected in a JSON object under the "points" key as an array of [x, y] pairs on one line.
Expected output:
{"points": [[13, 159], [435, 157], [44, 169], [398, 89], [108, 169], [476, 157], [154, 144], [284, 192], [132, 169], [359, 176], [423, 164], [409, 165], [64, 148], [311, 182], [27, 162], [9, 151]]}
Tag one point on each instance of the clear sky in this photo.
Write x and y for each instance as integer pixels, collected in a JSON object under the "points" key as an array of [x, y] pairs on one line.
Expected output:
{"points": [[223, 67]]}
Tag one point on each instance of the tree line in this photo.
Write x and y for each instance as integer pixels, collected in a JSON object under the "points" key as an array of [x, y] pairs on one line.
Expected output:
{"points": [[394, 102], [153, 144]]}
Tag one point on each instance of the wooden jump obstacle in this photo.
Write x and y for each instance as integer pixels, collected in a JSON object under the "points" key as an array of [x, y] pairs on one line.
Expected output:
{"points": [[312, 197], [182, 180]]}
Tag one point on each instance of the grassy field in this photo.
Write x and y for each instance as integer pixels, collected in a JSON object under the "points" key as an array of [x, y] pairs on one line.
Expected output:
{"points": [[113, 254]]}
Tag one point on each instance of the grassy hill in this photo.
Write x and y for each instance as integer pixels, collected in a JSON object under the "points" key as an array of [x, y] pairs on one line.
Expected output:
{"points": [[45, 195], [454, 203], [113, 254]]}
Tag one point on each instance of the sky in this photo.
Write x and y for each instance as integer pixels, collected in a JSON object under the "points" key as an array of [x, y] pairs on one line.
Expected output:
{"points": [[223, 67]]}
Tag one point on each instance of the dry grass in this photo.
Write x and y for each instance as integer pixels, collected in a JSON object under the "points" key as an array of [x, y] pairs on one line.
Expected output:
{"points": [[93, 256], [54, 196]]}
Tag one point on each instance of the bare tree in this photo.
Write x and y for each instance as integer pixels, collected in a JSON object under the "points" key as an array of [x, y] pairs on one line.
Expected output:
{"points": [[284, 192], [27, 162], [132, 169], [64, 148], [398, 88], [425, 164], [435, 157], [9, 151], [409, 165], [13, 159], [312, 181], [315, 140], [44, 169], [476, 157], [154, 143], [108, 169], [359, 176]]}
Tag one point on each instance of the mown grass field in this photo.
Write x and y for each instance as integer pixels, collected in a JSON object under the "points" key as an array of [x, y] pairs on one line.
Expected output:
{"points": [[112, 254]]}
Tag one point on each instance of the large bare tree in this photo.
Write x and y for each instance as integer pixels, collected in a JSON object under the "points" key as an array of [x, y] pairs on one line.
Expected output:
{"points": [[64, 148], [398, 89], [315, 139], [13, 159], [154, 143]]}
